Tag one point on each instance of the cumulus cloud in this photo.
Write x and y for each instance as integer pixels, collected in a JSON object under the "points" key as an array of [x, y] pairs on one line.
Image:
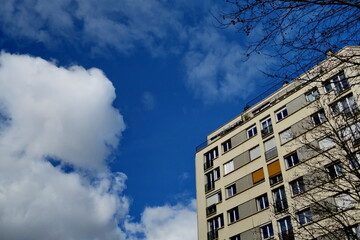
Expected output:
{"points": [[109, 24], [66, 114], [216, 68], [165, 223]]}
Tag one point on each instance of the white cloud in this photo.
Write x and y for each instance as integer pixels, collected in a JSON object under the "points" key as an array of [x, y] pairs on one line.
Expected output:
{"points": [[216, 68], [66, 114], [165, 223]]}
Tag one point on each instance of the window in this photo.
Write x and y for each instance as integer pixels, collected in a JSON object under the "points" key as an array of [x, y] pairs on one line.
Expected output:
{"points": [[276, 179], [335, 170], [312, 95], [215, 223], [304, 216], [351, 132], [286, 136], [281, 114], [254, 153], [354, 232], [346, 105], [285, 227], [297, 186], [354, 161], [231, 190], [233, 215], [291, 160], [267, 231], [210, 179], [262, 202], [236, 237], [339, 83], [228, 167], [266, 127], [344, 201], [258, 176], [326, 143], [252, 131], [318, 117], [280, 202], [209, 157], [227, 145], [270, 149], [211, 202]]}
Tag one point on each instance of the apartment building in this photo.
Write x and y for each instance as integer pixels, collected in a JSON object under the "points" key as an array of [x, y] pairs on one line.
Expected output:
{"points": [[253, 172]]}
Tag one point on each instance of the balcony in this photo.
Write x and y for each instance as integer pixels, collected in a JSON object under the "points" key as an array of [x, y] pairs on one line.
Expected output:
{"points": [[287, 235], [271, 153], [281, 205], [211, 210], [213, 235], [208, 164], [266, 131], [209, 186]]}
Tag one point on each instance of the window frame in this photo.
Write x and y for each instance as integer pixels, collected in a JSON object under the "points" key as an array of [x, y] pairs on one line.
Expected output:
{"points": [[298, 185], [227, 145], [252, 130], [318, 117], [281, 114], [335, 170], [269, 230], [262, 202], [230, 189], [266, 128], [293, 160], [304, 216], [314, 93], [233, 215], [232, 168]]}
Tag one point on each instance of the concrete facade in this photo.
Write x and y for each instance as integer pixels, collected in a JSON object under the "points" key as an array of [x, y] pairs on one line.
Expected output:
{"points": [[247, 169]]}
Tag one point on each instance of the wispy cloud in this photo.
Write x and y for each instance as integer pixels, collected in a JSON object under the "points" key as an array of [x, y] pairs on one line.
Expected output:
{"points": [[148, 100]]}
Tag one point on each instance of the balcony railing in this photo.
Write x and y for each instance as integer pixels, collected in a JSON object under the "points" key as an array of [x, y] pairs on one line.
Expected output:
{"points": [[269, 154], [212, 235], [287, 235], [281, 205], [211, 210], [209, 186], [208, 164], [266, 131]]}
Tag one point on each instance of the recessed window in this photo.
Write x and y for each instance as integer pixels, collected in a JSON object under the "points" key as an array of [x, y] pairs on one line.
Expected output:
{"points": [[266, 127], [291, 160], [346, 105], [285, 228], [339, 83], [297, 186], [236, 237], [351, 132], [326, 143], [254, 153], [304, 216], [276, 179], [230, 190], [270, 149], [318, 118], [226, 145], [228, 167], [354, 161], [262, 202], [280, 201], [210, 179], [344, 201], [252, 131], [335, 170], [215, 223], [267, 231], [312, 95], [233, 215], [209, 157], [281, 114], [286, 136]]}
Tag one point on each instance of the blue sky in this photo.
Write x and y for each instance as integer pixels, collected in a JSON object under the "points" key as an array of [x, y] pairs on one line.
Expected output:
{"points": [[102, 105]]}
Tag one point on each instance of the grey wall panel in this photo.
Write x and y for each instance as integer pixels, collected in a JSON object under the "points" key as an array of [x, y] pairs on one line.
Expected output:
{"points": [[302, 126], [241, 160], [251, 234], [296, 104], [244, 183], [239, 138], [247, 209]]}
